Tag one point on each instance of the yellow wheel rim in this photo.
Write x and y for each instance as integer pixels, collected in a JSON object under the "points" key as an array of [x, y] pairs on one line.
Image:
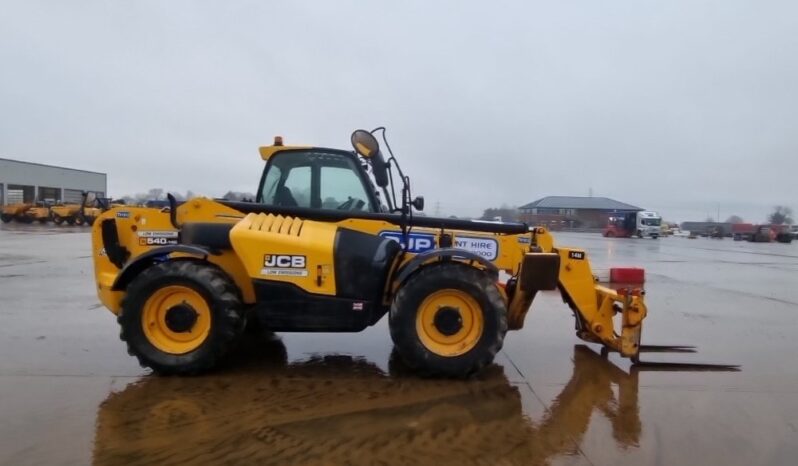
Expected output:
{"points": [[161, 311], [453, 338]]}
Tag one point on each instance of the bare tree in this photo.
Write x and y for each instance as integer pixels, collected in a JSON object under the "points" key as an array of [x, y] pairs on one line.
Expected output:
{"points": [[507, 213], [155, 194], [781, 215], [236, 196]]}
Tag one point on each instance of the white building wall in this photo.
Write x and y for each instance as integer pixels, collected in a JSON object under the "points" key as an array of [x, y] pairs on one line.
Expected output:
{"points": [[14, 172]]}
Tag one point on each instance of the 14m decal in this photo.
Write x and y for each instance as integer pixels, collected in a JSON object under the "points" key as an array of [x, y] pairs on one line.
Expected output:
{"points": [[576, 255]]}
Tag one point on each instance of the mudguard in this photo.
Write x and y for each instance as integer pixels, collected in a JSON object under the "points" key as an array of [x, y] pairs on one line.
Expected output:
{"points": [[133, 268], [443, 253]]}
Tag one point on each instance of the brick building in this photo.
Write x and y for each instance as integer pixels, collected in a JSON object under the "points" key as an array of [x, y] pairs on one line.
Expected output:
{"points": [[559, 212]]}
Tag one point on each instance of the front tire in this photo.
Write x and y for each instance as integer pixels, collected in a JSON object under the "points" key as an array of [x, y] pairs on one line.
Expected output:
{"points": [[181, 317], [79, 220], [6, 218], [448, 320], [57, 219]]}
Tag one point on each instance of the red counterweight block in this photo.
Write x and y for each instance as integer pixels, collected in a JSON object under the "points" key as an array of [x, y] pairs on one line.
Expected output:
{"points": [[630, 275]]}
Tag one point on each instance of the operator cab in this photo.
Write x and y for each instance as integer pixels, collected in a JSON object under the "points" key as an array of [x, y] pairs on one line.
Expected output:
{"points": [[359, 181], [317, 179]]}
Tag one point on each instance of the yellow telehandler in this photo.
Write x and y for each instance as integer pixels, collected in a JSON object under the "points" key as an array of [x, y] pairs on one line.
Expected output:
{"points": [[328, 246]]}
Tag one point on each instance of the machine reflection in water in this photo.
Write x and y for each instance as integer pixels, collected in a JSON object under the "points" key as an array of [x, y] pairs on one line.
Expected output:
{"points": [[345, 410]]}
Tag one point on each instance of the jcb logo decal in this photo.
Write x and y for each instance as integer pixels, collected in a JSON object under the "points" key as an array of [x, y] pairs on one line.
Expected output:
{"points": [[284, 261]]}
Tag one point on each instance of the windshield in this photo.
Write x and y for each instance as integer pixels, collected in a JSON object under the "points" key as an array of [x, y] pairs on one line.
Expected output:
{"points": [[314, 179], [651, 222]]}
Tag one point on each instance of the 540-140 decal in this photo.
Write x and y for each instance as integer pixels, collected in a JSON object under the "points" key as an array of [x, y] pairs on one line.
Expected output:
{"points": [[157, 238]]}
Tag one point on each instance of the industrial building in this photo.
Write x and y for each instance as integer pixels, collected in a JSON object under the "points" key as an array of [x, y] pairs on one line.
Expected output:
{"points": [[28, 182], [557, 212]]}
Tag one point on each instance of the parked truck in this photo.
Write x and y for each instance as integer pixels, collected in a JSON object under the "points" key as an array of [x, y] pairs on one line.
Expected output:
{"points": [[641, 224]]}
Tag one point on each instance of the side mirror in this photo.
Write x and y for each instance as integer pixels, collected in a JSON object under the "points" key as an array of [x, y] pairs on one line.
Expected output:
{"points": [[367, 146], [365, 143], [418, 203]]}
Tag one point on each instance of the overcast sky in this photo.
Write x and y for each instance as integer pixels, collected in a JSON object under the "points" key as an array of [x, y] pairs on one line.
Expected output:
{"points": [[678, 106]]}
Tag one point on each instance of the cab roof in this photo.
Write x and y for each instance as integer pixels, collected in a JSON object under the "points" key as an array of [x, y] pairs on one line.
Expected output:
{"points": [[266, 152]]}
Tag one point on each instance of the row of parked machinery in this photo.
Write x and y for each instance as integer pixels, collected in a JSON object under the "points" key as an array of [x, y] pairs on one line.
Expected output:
{"points": [[84, 213]]}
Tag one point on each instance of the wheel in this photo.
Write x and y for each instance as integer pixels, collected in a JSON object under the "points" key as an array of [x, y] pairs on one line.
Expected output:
{"points": [[6, 218], [180, 317], [57, 219], [448, 320], [79, 220]]}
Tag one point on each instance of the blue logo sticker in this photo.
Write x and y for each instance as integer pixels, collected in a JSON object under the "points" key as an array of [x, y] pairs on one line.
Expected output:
{"points": [[418, 242], [123, 214]]}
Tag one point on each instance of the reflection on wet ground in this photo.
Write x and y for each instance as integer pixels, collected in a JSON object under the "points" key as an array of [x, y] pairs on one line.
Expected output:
{"points": [[344, 410], [69, 393]]}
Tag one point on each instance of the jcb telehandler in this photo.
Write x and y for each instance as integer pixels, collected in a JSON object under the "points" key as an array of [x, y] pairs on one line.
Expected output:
{"points": [[329, 247]]}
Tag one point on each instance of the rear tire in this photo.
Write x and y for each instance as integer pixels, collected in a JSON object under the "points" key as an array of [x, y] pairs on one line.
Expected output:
{"points": [[6, 218], [57, 219], [170, 290], [79, 220], [448, 320]]}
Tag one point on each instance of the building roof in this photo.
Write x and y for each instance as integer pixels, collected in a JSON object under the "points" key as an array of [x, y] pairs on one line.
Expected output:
{"points": [[577, 202], [23, 162]]}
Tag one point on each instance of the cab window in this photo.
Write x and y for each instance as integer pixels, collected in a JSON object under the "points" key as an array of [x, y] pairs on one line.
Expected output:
{"points": [[341, 188], [315, 179]]}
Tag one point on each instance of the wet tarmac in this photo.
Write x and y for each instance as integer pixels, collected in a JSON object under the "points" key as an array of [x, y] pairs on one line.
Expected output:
{"points": [[70, 394]]}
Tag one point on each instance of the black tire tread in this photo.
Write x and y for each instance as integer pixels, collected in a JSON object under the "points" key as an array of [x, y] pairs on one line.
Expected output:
{"points": [[229, 323], [403, 309]]}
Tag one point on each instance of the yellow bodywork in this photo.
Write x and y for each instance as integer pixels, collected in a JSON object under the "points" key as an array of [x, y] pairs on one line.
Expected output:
{"points": [[594, 305], [16, 209], [65, 210], [40, 213]]}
